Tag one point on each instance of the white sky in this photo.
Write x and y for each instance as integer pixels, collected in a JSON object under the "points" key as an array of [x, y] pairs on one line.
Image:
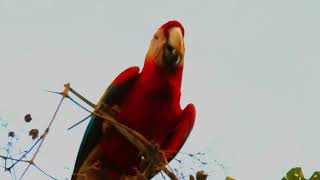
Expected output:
{"points": [[251, 69]]}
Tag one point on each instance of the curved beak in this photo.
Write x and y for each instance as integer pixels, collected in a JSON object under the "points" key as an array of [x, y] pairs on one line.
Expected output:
{"points": [[174, 47]]}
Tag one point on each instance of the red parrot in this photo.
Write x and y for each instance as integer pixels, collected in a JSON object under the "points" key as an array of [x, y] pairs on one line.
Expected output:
{"points": [[147, 102]]}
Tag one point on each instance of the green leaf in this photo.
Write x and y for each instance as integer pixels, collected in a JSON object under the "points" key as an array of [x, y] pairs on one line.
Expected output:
{"points": [[315, 176], [295, 174]]}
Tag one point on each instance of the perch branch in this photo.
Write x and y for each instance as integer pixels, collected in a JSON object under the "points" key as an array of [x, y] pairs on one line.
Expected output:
{"points": [[156, 159]]}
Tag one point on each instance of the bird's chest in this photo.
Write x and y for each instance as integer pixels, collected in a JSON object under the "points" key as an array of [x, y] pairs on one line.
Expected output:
{"points": [[151, 112]]}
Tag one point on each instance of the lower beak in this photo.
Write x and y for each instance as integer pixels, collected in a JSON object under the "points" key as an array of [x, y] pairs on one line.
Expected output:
{"points": [[171, 56]]}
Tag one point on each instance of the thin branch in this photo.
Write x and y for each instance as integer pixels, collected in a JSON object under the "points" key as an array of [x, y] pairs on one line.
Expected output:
{"points": [[82, 98], [163, 177], [10, 158], [84, 119], [55, 114], [78, 104], [14, 173], [27, 152], [8, 151], [25, 171], [43, 137], [45, 173]]}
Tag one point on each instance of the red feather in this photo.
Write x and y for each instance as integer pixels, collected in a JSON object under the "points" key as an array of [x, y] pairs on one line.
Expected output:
{"points": [[170, 24], [149, 103]]}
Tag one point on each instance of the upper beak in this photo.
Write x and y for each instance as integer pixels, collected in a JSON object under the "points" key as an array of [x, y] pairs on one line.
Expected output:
{"points": [[173, 49]]}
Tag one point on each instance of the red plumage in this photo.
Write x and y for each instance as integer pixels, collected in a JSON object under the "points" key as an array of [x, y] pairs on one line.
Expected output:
{"points": [[149, 103], [172, 23]]}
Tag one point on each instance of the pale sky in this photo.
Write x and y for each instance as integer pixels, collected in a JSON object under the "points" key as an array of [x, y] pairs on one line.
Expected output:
{"points": [[251, 69]]}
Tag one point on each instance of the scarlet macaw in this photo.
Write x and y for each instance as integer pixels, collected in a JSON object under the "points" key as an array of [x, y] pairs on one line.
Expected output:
{"points": [[147, 102]]}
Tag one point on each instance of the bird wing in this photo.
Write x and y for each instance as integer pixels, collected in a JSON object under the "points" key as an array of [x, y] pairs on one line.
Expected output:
{"points": [[113, 95], [178, 136]]}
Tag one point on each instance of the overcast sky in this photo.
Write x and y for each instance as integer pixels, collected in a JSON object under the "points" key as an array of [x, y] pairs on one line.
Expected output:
{"points": [[251, 69]]}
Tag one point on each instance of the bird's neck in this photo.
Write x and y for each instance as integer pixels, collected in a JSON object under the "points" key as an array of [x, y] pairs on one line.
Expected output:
{"points": [[158, 80]]}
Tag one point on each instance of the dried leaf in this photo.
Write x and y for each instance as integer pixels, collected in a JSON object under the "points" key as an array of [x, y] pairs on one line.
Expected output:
{"points": [[27, 118], [11, 134], [34, 133], [201, 175]]}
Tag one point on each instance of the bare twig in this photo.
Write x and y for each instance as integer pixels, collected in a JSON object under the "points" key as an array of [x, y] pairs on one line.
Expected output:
{"points": [[26, 153], [41, 140], [45, 173], [10, 158], [153, 156], [84, 119], [44, 134], [83, 98], [78, 104]]}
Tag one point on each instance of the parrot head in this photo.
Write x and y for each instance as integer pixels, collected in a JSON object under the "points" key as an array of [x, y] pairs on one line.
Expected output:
{"points": [[166, 48]]}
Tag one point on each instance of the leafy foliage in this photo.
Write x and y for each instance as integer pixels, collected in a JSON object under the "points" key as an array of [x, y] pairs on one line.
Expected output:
{"points": [[296, 174]]}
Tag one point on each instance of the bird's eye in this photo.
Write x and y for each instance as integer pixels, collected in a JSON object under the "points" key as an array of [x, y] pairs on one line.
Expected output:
{"points": [[155, 37]]}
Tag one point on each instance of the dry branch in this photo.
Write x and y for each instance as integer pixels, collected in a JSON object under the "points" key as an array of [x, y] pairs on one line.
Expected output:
{"points": [[154, 158]]}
